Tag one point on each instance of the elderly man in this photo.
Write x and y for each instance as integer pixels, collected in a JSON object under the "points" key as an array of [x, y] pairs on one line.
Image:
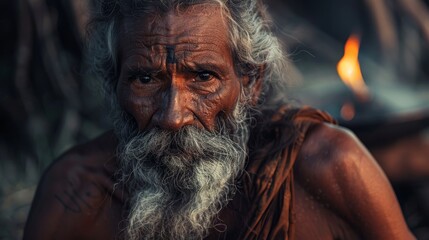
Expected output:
{"points": [[205, 145]]}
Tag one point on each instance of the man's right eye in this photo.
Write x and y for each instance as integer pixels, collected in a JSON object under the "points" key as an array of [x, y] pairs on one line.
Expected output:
{"points": [[141, 78]]}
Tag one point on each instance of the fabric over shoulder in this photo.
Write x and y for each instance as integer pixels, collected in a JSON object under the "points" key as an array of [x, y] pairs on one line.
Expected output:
{"points": [[265, 203]]}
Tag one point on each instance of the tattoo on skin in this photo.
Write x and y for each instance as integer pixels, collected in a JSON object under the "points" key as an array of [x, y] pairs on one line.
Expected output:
{"points": [[74, 200], [75, 209], [171, 58]]}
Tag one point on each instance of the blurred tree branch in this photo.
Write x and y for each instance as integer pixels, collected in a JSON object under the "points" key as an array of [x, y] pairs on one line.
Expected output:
{"points": [[45, 108], [419, 12], [385, 28], [23, 58]]}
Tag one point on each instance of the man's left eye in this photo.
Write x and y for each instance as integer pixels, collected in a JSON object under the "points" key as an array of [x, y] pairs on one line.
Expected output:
{"points": [[204, 77]]}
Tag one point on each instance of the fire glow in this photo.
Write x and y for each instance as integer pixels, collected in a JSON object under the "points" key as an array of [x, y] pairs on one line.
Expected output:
{"points": [[348, 69]]}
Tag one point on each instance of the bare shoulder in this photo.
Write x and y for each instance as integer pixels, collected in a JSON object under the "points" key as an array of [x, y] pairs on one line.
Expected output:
{"points": [[92, 158], [80, 165], [330, 149], [73, 191], [92, 154], [334, 167]]}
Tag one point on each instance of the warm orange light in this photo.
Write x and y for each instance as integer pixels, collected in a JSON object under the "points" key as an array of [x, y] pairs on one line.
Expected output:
{"points": [[349, 69], [348, 111]]}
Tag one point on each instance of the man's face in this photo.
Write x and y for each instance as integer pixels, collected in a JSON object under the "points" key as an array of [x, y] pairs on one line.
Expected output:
{"points": [[178, 82], [177, 69]]}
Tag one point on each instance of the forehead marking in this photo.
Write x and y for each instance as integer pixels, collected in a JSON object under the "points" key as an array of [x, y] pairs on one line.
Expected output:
{"points": [[171, 58]]}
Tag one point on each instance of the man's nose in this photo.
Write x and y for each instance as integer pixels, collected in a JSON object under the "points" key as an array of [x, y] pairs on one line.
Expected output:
{"points": [[174, 112]]}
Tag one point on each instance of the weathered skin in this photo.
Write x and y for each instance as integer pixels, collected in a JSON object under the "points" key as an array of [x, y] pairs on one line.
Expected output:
{"points": [[193, 89], [341, 191], [178, 70]]}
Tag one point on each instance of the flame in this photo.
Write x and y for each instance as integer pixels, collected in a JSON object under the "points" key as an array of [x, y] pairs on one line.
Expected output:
{"points": [[349, 69]]}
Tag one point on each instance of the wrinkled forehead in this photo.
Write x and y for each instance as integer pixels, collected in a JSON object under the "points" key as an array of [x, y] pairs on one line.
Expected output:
{"points": [[191, 24]]}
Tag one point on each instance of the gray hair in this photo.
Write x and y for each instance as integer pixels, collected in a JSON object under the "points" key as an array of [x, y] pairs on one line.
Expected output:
{"points": [[179, 181], [255, 49]]}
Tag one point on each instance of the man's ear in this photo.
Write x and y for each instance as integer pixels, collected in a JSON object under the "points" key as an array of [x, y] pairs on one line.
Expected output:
{"points": [[254, 85]]}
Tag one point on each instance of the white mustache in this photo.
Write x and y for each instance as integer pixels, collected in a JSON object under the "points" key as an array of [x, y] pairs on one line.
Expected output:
{"points": [[179, 180]]}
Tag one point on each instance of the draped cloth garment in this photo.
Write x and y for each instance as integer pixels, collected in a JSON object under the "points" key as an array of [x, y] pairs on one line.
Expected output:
{"points": [[263, 207]]}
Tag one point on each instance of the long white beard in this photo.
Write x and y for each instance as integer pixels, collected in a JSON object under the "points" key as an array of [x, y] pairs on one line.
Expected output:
{"points": [[179, 181]]}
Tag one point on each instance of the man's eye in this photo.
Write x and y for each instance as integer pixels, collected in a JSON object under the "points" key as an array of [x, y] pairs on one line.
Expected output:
{"points": [[141, 78], [204, 76]]}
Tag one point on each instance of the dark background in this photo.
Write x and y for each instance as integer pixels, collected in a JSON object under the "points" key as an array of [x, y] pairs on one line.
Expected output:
{"points": [[49, 103]]}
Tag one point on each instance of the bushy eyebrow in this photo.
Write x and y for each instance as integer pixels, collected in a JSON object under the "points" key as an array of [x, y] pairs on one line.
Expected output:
{"points": [[139, 69], [189, 61], [205, 66]]}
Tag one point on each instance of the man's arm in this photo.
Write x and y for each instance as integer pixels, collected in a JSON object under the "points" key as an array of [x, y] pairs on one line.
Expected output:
{"points": [[76, 198], [344, 175]]}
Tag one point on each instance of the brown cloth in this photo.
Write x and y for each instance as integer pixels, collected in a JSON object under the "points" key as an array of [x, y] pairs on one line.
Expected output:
{"points": [[263, 205]]}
